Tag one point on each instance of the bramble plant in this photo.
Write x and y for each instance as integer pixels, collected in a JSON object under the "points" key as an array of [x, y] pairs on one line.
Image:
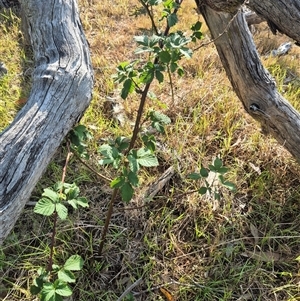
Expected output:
{"points": [[219, 170], [52, 283]]}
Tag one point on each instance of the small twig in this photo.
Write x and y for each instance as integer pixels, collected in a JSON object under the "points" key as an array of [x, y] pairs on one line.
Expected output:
{"points": [[93, 170], [130, 288], [220, 35], [150, 16]]}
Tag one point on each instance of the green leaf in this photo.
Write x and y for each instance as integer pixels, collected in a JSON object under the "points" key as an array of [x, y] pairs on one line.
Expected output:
{"points": [[133, 179], [187, 52], [149, 142], [72, 191], [126, 192], [82, 202], [74, 263], [196, 26], [133, 162], [117, 182], [218, 163], [222, 170], [212, 168], [202, 190], [148, 161], [62, 288], [51, 194], [180, 71], [172, 19], [62, 211], [34, 290], [229, 185], [194, 176], [128, 87], [159, 76], [160, 117], [204, 172], [48, 292], [217, 196], [66, 276], [165, 56], [44, 207], [73, 203], [173, 67]]}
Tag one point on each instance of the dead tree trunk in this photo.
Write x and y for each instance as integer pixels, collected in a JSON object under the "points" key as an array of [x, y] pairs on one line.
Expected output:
{"points": [[61, 91], [250, 80], [281, 15]]}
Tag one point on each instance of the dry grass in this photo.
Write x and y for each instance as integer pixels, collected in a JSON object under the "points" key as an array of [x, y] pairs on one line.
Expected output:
{"points": [[241, 248]]}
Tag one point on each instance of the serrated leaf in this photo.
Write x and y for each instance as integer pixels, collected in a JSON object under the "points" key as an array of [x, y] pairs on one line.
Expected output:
{"points": [[133, 162], [133, 179], [74, 263], [186, 52], [44, 207], [62, 288], [51, 194], [105, 161], [146, 158], [66, 276], [148, 161], [73, 203], [202, 190], [126, 192], [62, 211], [160, 117], [172, 19], [82, 202], [165, 56], [48, 292], [194, 176]]}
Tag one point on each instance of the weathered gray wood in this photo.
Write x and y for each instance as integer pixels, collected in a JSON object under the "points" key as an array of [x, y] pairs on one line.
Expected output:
{"points": [[282, 15], [8, 3], [250, 80], [61, 91]]}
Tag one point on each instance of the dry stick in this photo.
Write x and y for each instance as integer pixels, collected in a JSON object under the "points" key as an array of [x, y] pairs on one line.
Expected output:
{"points": [[55, 216], [93, 170], [130, 288]]}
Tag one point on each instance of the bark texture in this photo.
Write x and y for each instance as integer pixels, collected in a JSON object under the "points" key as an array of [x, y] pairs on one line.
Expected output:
{"points": [[9, 3], [61, 91], [250, 80], [282, 15]]}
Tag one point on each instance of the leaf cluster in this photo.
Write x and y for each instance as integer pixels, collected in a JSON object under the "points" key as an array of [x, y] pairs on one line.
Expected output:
{"points": [[59, 288], [216, 168], [54, 200]]}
